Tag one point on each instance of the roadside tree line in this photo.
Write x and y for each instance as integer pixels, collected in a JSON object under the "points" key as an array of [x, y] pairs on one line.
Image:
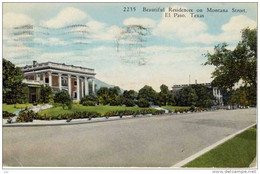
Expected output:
{"points": [[194, 95]]}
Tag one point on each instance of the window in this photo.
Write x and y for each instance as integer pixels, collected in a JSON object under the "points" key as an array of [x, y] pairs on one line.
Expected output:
{"points": [[64, 81], [75, 83], [46, 80]]}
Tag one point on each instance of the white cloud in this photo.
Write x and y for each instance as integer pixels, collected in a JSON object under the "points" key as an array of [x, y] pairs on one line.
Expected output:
{"points": [[65, 17], [64, 57], [231, 32], [11, 20], [18, 53], [50, 41], [232, 29], [193, 30], [95, 26], [145, 22], [173, 27], [100, 31]]}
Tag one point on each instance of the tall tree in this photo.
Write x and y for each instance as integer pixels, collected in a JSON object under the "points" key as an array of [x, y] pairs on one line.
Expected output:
{"points": [[148, 93], [205, 97], [237, 65], [46, 94], [165, 96], [14, 91], [128, 98], [186, 96], [103, 95]]}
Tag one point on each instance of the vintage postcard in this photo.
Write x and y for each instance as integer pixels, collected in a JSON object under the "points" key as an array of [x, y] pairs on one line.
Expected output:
{"points": [[144, 85]]}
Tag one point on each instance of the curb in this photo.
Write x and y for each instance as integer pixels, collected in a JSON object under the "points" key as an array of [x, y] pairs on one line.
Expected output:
{"points": [[72, 123], [97, 121], [207, 149]]}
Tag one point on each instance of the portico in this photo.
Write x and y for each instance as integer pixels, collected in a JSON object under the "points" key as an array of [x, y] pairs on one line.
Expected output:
{"points": [[73, 79]]}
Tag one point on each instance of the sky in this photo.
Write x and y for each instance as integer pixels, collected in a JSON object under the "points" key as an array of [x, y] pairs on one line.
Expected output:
{"points": [[128, 49]]}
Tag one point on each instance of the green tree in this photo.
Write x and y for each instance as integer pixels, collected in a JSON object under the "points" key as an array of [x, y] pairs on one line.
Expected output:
{"points": [[171, 100], [237, 65], [46, 94], [165, 97], [128, 98], [63, 98], [186, 96], [239, 96], [88, 98], [205, 97], [143, 103], [103, 95], [114, 98], [148, 93], [14, 91]]}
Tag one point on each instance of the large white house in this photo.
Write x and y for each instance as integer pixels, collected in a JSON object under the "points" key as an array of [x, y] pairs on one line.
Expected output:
{"points": [[74, 79]]}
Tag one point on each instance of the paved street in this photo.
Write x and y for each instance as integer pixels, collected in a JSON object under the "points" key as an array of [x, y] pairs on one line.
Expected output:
{"points": [[159, 141]]}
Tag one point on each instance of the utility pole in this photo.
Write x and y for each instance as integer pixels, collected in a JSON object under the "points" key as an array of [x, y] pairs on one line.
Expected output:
{"points": [[189, 79]]}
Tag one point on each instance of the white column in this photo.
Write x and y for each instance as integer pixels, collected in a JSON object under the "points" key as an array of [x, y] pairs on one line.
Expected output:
{"points": [[50, 79], [43, 78], [37, 77], [86, 86], [78, 84], [60, 87], [69, 84], [93, 86], [82, 89]]}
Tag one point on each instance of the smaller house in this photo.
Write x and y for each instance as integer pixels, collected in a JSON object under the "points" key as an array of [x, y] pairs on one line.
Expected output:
{"points": [[215, 91]]}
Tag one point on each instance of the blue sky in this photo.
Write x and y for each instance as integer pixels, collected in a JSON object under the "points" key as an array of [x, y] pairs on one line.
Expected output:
{"points": [[96, 35]]}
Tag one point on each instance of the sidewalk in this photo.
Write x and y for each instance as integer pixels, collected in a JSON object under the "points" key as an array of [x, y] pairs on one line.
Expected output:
{"points": [[73, 121]]}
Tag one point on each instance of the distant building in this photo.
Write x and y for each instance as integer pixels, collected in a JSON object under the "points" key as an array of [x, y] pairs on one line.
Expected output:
{"points": [[73, 79], [215, 91]]}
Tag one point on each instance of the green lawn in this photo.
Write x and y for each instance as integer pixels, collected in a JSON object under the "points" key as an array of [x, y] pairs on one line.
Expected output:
{"points": [[80, 108], [176, 107], [237, 152], [15, 107]]}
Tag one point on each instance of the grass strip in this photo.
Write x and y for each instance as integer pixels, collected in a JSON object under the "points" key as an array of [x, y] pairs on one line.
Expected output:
{"points": [[237, 152]]}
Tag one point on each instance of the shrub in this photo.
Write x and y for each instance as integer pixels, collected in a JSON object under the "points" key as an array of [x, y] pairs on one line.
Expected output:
{"points": [[88, 98], [77, 115], [159, 112], [114, 102], [26, 116], [63, 98], [128, 112], [89, 103], [143, 103], [129, 102], [7, 114], [46, 94], [192, 108]]}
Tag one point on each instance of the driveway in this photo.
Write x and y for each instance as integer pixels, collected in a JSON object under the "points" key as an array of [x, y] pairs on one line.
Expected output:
{"points": [[159, 141]]}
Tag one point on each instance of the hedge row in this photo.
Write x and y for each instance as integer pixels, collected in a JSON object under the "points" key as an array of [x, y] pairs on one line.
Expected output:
{"points": [[189, 110], [138, 112], [28, 116]]}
